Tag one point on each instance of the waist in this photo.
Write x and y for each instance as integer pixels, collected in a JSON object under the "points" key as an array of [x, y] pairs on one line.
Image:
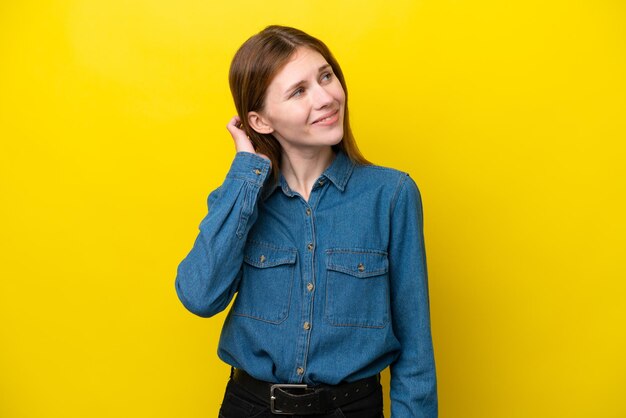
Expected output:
{"points": [[303, 399]]}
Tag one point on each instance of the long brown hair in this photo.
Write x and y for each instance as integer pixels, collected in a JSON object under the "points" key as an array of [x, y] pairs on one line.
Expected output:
{"points": [[254, 66]]}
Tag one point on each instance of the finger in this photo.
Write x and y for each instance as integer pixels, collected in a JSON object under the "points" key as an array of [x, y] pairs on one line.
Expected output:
{"points": [[233, 127], [234, 121]]}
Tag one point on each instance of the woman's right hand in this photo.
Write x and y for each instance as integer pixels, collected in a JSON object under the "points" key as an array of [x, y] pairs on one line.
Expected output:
{"points": [[242, 142]]}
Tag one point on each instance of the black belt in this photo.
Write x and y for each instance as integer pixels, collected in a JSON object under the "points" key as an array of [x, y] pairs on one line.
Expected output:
{"points": [[305, 400]]}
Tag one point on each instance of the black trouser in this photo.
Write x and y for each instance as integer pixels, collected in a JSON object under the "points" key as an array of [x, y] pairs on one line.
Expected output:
{"points": [[239, 403]]}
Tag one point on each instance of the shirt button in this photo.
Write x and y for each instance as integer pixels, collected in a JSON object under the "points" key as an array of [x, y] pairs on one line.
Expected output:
{"points": [[321, 182], [308, 211], [300, 370], [361, 267], [262, 259], [257, 171], [306, 326], [309, 287], [310, 246]]}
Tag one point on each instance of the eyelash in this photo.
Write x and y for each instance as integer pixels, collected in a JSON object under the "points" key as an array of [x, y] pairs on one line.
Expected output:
{"points": [[300, 90]]}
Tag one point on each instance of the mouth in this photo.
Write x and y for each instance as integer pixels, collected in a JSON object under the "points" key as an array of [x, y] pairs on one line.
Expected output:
{"points": [[327, 119]]}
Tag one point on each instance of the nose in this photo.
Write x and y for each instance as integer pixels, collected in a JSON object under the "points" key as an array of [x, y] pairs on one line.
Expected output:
{"points": [[321, 97]]}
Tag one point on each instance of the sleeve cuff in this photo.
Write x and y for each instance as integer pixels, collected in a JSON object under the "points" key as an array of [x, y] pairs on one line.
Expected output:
{"points": [[249, 167]]}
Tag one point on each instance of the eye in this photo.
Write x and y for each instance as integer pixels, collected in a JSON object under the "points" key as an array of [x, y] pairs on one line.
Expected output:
{"points": [[297, 92], [327, 76]]}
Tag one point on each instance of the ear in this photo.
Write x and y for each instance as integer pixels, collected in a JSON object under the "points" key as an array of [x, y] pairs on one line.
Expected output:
{"points": [[259, 123]]}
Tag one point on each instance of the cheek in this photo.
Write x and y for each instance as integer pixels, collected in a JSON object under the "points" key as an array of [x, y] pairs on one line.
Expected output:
{"points": [[300, 114], [292, 117]]}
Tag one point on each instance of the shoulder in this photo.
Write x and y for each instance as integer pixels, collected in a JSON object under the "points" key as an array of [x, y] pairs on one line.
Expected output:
{"points": [[395, 186], [379, 173], [382, 176]]}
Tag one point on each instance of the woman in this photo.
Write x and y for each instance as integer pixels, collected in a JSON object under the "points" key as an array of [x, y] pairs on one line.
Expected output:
{"points": [[324, 250]]}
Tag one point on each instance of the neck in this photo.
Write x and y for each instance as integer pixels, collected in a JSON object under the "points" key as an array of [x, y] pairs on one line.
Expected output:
{"points": [[301, 168]]}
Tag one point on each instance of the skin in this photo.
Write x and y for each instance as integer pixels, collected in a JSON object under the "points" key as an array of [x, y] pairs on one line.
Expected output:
{"points": [[304, 110]]}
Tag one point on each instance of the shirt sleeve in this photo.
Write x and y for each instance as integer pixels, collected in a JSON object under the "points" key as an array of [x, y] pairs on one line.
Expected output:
{"points": [[413, 379], [208, 276]]}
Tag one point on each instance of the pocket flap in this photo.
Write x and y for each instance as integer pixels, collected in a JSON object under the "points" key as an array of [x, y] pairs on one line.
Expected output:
{"points": [[357, 262], [262, 255]]}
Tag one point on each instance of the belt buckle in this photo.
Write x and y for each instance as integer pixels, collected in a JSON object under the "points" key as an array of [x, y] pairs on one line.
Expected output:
{"points": [[273, 398]]}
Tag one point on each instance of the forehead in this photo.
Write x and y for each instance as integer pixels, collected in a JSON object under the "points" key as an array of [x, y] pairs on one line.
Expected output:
{"points": [[302, 64]]}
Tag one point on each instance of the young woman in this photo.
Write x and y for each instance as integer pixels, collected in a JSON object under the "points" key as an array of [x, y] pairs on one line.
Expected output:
{"points": [[324, 250]]}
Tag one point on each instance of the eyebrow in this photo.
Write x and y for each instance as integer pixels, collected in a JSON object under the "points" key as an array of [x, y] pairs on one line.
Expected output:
{"points": [[301, 82]]}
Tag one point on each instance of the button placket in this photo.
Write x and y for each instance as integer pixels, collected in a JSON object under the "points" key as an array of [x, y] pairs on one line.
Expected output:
{"points": [[308, 259]]}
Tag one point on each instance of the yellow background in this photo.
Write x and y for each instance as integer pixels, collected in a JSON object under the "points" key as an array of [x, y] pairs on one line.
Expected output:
{"points": [[510, 116]]}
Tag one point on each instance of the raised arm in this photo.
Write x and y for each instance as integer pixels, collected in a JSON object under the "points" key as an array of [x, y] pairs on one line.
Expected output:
{"points": [[207, 278]]}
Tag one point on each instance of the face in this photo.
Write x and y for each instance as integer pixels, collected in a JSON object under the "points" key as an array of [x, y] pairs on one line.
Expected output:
{"points": [[304, 105]]}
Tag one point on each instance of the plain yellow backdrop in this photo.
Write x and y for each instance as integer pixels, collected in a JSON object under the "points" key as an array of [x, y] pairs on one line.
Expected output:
{"points": [[510, 116]]}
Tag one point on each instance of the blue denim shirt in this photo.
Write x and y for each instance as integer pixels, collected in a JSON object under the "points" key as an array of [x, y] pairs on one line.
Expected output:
{"points": [[328, 290]]}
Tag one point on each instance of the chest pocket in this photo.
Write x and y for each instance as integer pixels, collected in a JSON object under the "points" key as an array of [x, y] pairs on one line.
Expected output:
{"points": [[357, 288], [265, 288]]}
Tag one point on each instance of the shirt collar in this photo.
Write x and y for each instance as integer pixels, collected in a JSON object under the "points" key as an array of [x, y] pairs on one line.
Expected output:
{"points": [[338, 173], [339, 170]]}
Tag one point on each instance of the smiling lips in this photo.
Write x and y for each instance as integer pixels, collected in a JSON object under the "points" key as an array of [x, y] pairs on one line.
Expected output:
{"points": [[328, 119]]}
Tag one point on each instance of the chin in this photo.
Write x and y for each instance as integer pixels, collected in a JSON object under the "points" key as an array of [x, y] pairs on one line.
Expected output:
{"points": [[338, 140], [335, 136], [329, 141]]}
